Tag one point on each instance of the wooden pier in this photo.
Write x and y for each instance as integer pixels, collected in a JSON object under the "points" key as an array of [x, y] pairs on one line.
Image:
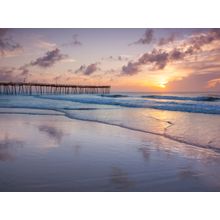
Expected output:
{"points": [[20, 88]]}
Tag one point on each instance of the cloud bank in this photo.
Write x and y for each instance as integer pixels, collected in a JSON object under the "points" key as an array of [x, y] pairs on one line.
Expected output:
{"points": [[159, 58]]}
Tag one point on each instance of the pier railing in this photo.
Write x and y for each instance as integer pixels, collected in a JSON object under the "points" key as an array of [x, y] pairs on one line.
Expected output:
{"points": [[20, 88]]}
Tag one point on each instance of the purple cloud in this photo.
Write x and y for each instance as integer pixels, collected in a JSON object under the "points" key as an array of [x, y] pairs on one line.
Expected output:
{"points": [[200, 40], [147, 38], [117, 58], [166, 40], [24, 71], [49, 59], [6, 74], [6, 43], [13, 74], [130, 68], [74, 42], [88, 70], [160, 58]]}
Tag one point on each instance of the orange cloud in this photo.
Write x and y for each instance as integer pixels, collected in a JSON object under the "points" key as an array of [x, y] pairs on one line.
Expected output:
{"points": [[213, 83]]}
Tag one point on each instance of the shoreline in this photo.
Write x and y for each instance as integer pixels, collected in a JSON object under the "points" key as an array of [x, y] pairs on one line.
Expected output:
{"points": [[71, 117], [129, 157]]}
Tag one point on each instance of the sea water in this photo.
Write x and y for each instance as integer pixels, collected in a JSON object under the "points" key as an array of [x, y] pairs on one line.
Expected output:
{"points": [[192, 118], [180, 131]]}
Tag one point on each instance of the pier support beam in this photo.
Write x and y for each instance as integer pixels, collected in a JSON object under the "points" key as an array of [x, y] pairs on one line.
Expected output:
{"points": [[10, 88]]}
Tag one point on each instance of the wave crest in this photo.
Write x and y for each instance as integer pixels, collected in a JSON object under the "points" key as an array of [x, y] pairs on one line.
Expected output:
{"points": [[197, 98]]}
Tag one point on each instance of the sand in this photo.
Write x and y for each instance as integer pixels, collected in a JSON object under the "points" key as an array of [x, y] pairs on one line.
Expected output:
{"points": [[54, 153]]}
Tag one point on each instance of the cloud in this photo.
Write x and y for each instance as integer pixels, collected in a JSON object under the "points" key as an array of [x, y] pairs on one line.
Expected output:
{"points": [[147, 38], [81, 69], [176, 54], [49, 59], [159, 58], [46, 45], [131, 68], [6, 74], [166, 40], [123, 57], [213, 83], [88, 70], [24, 71], [3, 31], [14, 74], [7, 44], [74, 42], [195, 82], [117, 58], [110, 71], [68, 60], [199, 40]]}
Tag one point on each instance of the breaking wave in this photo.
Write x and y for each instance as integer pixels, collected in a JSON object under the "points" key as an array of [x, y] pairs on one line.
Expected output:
{"points": [[197, 98], [134, 102]]}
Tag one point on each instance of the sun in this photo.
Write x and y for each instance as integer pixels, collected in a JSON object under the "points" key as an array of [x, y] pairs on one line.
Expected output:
{"points": [[162, 83]]}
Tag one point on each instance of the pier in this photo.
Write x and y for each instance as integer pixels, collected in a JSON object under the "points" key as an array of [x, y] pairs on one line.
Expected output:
{"points": [[22, 88]]}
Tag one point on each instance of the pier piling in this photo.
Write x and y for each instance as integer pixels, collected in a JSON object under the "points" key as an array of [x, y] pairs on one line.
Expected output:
{"points": [[20, 88]]}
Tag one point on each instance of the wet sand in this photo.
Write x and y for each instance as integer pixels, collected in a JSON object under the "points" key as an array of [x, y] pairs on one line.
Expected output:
{"points": [[55, 153]]}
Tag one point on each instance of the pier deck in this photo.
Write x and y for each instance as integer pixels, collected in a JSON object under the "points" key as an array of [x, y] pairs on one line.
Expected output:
{"points": [[20, 88]]}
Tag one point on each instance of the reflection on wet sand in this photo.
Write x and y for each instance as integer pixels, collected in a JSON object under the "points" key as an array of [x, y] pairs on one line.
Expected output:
{"points": [[176, 126], [97, 157], [52, 132], [145, 152], [190, 151], [188, 174], [121, 179], [8, 147], [183, 126], [76, 148]]}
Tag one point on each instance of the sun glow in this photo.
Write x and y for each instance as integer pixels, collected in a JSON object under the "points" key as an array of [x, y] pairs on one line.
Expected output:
{"points": [[162, 83], [156, 83]]}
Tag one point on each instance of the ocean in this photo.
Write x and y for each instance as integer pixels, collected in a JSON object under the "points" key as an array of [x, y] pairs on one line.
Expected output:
{"points": [[94, 142]]}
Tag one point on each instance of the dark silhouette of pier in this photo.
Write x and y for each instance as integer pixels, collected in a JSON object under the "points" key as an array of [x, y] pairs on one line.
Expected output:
{"points": [[22, 88]]}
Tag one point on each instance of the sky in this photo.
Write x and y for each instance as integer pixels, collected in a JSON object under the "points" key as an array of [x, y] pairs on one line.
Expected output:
{"points": [[141, 60]]}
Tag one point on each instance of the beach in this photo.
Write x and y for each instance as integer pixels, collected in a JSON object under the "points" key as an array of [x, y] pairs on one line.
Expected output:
{"points": [[80, 144]]}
